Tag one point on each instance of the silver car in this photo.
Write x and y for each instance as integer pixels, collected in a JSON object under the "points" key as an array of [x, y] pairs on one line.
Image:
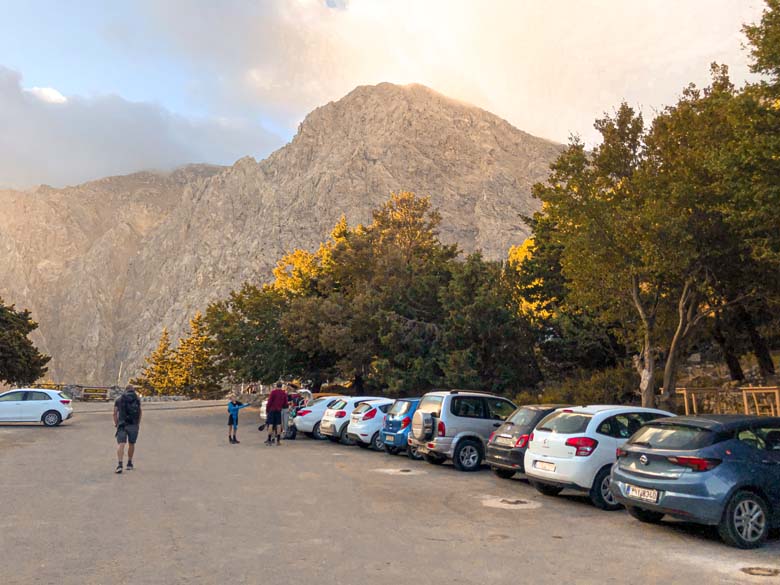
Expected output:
{"points": [[456, 424]]}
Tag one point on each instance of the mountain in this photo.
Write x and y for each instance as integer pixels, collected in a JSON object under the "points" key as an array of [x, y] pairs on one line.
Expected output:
{"points": [[105, 265]]}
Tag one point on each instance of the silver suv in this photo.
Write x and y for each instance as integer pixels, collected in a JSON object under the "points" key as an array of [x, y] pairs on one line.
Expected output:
{"points": [[456, 424]]}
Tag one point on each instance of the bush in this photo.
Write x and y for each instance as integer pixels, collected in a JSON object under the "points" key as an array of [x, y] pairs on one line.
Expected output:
{"points": [[612, 386]]}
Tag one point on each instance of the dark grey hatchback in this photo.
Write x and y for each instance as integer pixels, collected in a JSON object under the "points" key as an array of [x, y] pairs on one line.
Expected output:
{"points": [[722, 470], [507, 445]]}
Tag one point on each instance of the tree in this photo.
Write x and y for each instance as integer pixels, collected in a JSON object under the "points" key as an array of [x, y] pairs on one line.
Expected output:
{"points": [[193, 364], [158, 375], [20, 361]]}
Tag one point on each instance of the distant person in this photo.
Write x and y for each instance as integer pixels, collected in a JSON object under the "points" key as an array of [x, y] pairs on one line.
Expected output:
{"points": [[233, 407], [127, 419], [277, 401]]}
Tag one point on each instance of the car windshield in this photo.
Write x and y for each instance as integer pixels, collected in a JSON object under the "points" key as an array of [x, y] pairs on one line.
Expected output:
{"points": [[522, 417], [338, 404], [565, 423], [431, 405], [400, 407], [673, 437]]}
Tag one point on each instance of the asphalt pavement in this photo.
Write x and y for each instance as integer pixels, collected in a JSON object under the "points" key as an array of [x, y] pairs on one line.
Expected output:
{"points": [[198, 510]]}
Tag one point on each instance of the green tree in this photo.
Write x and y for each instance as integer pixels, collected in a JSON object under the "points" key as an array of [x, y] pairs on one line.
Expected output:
{"points": [[20, 361], [158, 374], [194, 370]]}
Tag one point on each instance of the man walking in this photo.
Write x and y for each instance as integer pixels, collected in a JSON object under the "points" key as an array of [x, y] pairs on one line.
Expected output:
{"points": [[277, 401], [127, 418]]}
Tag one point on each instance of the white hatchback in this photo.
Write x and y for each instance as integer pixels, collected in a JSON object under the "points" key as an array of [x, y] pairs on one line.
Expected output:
{"points": [[50, 407], [309, 417], [336, 418], [574, 448], [366, 422]]}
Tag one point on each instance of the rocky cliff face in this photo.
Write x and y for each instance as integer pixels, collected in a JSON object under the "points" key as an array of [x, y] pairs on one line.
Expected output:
{"points": [[105, 265]]}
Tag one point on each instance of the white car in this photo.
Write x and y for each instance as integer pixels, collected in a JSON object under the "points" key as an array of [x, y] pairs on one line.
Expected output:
{"points": [[574, 448], [308, 418], [365, 424], [50, 407], [336, 418]]}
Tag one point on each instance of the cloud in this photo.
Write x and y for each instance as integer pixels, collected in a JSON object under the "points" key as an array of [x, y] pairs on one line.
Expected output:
{"points": [[49, 138], [548, 67]]}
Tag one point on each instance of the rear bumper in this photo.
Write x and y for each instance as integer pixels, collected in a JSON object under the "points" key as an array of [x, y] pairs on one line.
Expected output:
{"points": [[398, 440], [303, 425], [70, 415], [684, 498], [440, 445], [505, 457], [329, 429], [571, 473]]}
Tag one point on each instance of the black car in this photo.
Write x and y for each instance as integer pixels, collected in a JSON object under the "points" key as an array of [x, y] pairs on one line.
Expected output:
{"points": [[507, 445]]}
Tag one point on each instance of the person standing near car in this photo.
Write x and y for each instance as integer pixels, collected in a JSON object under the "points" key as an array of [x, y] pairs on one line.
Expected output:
{"points": [[277, 401], [127, 420]]}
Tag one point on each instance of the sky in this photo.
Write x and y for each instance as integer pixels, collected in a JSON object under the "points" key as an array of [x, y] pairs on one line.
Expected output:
{"points": [[92, 88]]}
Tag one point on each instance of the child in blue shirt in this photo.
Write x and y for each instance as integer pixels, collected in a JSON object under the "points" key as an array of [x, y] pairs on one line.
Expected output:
{"points": [[233, 407]]}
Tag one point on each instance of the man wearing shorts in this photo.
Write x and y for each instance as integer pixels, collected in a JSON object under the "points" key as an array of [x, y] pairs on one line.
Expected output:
{"points": [[127, 419], [277, 401]]}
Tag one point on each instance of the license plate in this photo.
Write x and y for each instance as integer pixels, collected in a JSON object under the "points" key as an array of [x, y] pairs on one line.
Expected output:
{"points": [[644, 494], [505, 441], [389, 439], [544, 465]]}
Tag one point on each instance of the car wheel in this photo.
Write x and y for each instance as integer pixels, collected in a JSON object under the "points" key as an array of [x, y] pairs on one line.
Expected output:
{"points": [[600, 494], [434, 459], [377, 444], [504, 473], [546, 489], [413, 453], [745, 522], [316, 434], [467, 456], [646, 516], [343, 438], [51, 418]]}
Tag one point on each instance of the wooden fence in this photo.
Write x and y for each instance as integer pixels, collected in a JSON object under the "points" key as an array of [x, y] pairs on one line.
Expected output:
{"points": [[757, 400]]}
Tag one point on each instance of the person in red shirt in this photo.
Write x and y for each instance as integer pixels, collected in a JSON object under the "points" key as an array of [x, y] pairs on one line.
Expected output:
{"points": [[277, 401]]}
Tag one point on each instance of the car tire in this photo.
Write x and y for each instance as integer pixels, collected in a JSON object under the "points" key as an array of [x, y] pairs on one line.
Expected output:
{"points": [[316, 434], [413, 454], [377, 444], [600, 494], [646, 516], [434, 459], [504, 473], [51, 418], [468, 455], [343, 438], [746, 521], [546, 489]]}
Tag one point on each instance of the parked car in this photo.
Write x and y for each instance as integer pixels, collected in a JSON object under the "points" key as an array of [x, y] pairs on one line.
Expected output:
{"points": [[398, 424], [574, 448], [507, 445], [456, 424], [336, 418], [717, 470], [307, 419], [366, 421], [50, 407]]}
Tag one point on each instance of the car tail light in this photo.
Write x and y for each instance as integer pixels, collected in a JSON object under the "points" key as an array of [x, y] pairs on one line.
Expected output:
{"points": [[406, 422], [370, 414], [619, 452], [490, 438], [341, 413], [584, 445], [304, 412], [442, 430], [530, 437], [65, 401], [695, 463], [521, 442]]}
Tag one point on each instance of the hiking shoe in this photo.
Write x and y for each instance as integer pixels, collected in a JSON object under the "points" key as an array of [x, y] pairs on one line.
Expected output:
{"points": [[130, 466], [231, 440], [118, 468], [236, 441], [268, 442], [278, 441]]}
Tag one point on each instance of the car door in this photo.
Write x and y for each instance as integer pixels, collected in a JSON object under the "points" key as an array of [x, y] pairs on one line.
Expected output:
{"points": [[35, 404], [768, 446], [498, 410], [11, 406]]}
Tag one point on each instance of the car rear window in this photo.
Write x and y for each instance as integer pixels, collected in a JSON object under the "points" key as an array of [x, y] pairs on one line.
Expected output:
{"points": [[338, 404], [673, 437], [400, 407], [565, 423], [431, 405], [316, 401], [363, 407], [523, 417]]}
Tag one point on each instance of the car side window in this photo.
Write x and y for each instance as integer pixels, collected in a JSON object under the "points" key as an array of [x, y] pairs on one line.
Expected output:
{"points": [[37, 396], [621, 426], [499, 409], [12, 397], [763, 438], [385, 407], [468, 407]]}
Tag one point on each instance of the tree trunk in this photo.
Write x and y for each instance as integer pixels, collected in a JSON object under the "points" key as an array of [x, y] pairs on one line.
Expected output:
{"points": [[760, 349], [645, 362], [727, 349], [687, 317]]}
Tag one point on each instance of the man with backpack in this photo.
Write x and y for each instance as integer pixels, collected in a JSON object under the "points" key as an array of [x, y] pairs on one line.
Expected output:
{"points": [[127, 418]]}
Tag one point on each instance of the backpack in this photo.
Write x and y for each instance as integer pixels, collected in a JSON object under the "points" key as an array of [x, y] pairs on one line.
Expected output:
{"points": [[130, 408]]}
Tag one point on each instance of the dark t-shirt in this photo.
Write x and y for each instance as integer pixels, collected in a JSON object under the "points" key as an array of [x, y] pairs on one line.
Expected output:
{"points": [[276, 401]]}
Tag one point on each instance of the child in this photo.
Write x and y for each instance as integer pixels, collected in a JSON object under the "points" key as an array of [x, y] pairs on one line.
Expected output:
{"points": [[233, 407]]}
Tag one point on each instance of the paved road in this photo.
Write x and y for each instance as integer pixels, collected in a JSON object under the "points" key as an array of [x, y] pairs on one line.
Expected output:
{"points": [[198, 510]]}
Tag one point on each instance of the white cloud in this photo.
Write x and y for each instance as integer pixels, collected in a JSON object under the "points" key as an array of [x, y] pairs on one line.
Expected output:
{"points": [[48, 94], [48, 138]]}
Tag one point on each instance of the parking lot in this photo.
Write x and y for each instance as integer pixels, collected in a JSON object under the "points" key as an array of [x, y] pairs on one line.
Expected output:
{"points": [[199, 510]]}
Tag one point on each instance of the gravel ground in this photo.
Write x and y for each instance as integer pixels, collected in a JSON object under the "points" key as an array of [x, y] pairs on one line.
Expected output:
{"points": [[199, 510]]}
